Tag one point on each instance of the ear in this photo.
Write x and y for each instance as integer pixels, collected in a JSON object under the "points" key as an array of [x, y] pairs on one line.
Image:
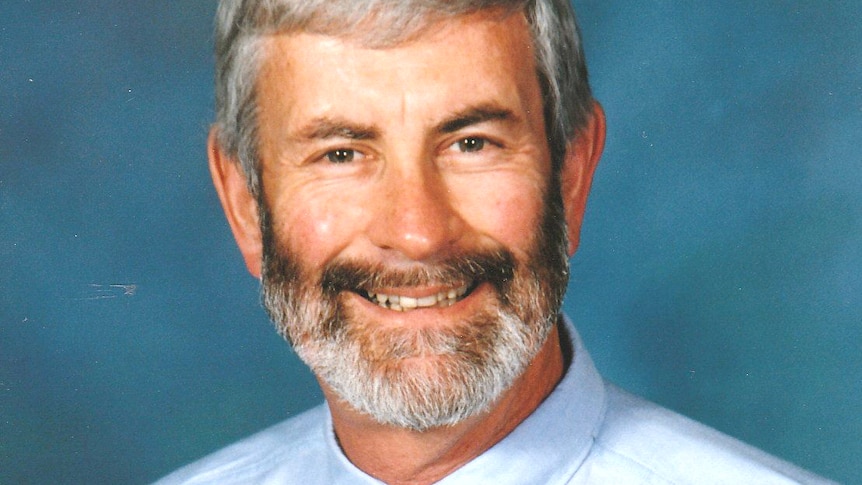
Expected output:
{"points": [[576, 176], [238, 203]]}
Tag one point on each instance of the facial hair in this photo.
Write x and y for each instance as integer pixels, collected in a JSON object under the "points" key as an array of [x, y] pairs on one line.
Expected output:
{"points": [[419, 378]]}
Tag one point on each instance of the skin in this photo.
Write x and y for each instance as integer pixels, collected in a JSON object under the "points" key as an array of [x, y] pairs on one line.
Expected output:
{"points": [[410, 187]]}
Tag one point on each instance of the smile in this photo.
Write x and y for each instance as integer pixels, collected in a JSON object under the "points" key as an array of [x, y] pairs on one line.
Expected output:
{"points": [[402, 303]]}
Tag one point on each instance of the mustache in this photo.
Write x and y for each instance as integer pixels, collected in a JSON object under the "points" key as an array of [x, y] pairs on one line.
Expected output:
{"points": [[496, 267]]}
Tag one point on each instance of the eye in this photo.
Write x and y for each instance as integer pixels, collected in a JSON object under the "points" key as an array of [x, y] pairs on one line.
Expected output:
{"points": [[341, 155], [470, 144]]}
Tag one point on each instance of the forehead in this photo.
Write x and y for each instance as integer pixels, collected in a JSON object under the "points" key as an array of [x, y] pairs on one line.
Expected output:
{"points": [[484, 53]]}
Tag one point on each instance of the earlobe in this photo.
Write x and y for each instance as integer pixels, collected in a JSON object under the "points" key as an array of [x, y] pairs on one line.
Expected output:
{"points": [[576, 176], [240, 206]]}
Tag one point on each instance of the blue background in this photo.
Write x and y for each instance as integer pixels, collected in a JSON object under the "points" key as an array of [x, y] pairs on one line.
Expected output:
{"points": [[720, 271]]}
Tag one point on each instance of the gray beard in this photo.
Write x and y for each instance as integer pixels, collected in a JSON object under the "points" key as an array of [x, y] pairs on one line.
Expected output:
{"points": [[419, 378]]}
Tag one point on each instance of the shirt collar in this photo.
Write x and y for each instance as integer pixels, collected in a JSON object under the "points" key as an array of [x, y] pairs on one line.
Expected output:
{"points": [[552, 443]]}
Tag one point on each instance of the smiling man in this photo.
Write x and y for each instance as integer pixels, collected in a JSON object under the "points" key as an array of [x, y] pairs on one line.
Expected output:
{"points": [[408, 180]]}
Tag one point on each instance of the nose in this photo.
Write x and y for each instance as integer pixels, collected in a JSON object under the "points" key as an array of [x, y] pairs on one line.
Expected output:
{"points": [[415, 217]]}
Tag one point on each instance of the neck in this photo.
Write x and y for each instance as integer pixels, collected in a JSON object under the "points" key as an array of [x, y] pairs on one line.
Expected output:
{"points": [[402, 456]]}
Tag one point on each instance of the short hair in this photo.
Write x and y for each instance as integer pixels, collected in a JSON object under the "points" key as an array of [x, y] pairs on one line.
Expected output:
{"points": [[242, 25]]}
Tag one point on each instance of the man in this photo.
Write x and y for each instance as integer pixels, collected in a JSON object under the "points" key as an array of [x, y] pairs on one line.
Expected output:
{"points": [[408, 180]]}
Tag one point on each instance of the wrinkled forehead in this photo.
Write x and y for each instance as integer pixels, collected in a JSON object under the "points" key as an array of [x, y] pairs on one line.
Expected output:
{"points": [[476, 62]]}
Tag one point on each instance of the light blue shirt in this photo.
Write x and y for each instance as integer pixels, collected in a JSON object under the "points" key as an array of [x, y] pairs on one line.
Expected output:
{"points": [[586, 431]]}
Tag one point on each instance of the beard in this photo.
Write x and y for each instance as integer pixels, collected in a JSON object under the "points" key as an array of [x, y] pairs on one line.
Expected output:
{"points": [[420, 378]]}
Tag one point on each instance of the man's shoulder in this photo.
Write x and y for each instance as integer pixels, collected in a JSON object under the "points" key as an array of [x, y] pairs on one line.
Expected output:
{"points": [[661, 446], [288, 447]]}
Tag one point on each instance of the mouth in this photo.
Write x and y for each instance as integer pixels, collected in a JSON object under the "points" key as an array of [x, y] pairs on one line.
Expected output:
{"points": [[403, 303]]}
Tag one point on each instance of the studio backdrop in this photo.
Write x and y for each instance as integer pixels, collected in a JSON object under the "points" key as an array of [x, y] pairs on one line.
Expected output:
{"points": [[719, 274]]}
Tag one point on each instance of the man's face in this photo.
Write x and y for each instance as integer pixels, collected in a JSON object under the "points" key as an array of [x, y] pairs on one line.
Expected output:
{"points": [[411, 254]]}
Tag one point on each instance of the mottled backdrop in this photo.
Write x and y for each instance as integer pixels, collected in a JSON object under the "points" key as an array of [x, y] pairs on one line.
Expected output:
{"points": [[720, 272]]}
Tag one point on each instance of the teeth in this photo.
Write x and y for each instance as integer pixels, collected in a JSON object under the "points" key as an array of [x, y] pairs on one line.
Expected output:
{"points": [[401, 303], [408, 303]]}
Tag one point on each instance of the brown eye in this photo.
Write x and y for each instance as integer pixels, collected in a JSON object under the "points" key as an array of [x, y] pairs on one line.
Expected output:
{"points": [[468, 145], [341, 155]]}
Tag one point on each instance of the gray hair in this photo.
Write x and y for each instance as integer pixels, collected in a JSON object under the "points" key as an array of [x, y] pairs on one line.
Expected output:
{"points": [[242, 25]]}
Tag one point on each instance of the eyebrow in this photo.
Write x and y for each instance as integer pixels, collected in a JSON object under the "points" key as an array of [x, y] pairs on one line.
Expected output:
{"points": [[475, 115], [325, 128]]}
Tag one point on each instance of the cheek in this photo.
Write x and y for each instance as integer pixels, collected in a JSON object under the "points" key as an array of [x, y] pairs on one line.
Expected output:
{"points": [[510, 215], [316, 228]]}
